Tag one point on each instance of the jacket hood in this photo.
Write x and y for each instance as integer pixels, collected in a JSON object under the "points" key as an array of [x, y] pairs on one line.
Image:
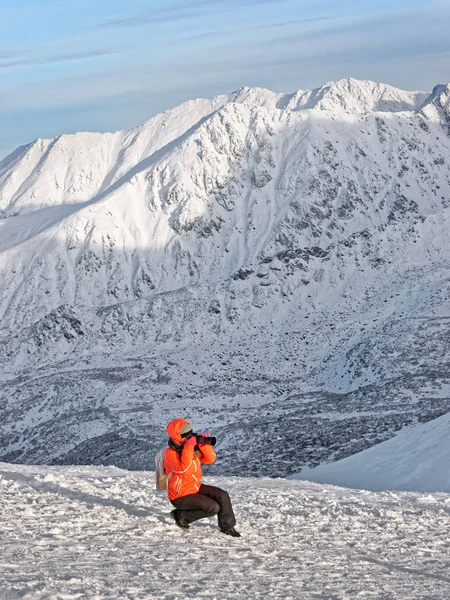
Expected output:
{"points": [[174, 429]]}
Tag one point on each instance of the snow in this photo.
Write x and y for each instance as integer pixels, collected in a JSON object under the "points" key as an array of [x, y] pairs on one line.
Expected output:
{"points": [[102, 533], [266, 265], [417, 458]]}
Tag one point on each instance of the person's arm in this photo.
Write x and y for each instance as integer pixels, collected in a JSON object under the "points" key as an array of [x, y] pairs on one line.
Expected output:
{"points": [[173, 462], [208, 455]]}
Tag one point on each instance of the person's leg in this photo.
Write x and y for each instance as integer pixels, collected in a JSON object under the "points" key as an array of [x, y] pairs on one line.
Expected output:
{"points": [[192, 507], [225, 515]]}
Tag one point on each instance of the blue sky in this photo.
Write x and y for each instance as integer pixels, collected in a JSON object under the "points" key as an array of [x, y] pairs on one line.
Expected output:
{"points": [[104, 65]]}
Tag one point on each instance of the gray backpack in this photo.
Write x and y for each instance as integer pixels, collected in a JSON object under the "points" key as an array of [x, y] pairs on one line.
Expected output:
{"points": [[162, 478]]}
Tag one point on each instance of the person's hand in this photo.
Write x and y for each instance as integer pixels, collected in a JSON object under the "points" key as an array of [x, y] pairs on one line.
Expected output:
{"points": [[207, 434], [191, 442]]}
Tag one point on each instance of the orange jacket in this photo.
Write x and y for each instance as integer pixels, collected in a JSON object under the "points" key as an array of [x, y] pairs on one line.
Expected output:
{"points": [[186, 470]]}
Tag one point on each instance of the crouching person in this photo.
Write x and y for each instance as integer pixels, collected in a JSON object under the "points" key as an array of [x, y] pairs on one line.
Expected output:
{"points": [[192, 499]]}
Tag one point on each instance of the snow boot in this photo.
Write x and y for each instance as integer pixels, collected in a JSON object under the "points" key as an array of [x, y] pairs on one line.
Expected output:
{"points": [[179, 520], [232, 532]]}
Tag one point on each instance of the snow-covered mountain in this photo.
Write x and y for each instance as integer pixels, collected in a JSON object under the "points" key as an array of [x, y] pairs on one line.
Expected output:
{"points": [[95, 532], [417, 458], [259, 262]]}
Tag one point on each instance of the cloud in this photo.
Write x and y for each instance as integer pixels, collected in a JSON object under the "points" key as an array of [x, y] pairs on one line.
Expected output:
{"points": [[302, 21], [407, 33], [26, 61], [6, 53], [180, 12], [217, 33]]}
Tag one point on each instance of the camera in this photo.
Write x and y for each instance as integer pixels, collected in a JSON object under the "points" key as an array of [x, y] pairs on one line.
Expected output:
{"points": [[201, 439]]}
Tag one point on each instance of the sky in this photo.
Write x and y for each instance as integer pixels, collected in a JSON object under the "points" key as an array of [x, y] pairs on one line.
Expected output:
{"points": [[105, 65]]}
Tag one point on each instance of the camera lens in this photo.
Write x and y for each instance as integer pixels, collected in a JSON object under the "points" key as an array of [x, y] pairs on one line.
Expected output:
{"points": [[201, 439]]}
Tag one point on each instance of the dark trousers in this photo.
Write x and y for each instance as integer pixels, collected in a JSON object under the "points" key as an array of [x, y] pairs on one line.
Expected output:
{"points": [[207, 502]]}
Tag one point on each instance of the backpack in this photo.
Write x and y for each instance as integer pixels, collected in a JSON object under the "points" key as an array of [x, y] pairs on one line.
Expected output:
{"points": [[162, 479]]}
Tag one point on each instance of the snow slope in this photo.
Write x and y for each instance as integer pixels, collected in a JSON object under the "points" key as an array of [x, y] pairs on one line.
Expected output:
{"points": [[417, 458], [277, 261], [97, 533]]}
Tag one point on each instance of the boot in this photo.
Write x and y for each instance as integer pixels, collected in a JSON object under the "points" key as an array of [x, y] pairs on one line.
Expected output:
{"points": [[232, 532], [179, 520]]}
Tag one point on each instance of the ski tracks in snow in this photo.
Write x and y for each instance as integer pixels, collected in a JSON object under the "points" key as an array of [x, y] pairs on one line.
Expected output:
{"points": [[102, 533]]}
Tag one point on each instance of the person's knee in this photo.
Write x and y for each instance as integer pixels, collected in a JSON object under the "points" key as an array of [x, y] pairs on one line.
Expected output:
{"points": [[213, 509], [224, 496]]}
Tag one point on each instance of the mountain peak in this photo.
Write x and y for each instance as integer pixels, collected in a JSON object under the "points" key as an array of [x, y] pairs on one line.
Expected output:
{"points": [[360, 96], [437, 105], [258, 96]]}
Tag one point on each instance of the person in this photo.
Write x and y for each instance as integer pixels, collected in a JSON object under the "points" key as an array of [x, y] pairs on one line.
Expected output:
{"points": [[193, 499]]}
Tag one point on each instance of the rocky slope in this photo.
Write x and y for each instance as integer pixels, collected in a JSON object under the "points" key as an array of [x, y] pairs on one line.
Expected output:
{"points": [[416, 459], [262, 263]]}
